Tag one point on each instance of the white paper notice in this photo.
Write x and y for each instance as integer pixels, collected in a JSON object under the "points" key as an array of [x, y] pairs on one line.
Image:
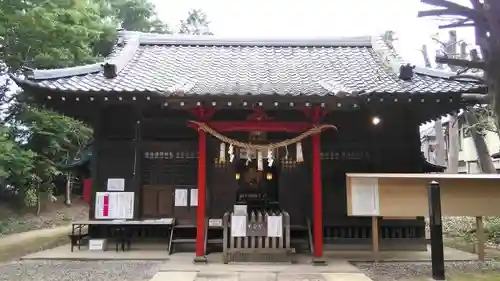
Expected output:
{"points": [[274, 226], [238, 226], [240, 210], [181, 198], [193, 199], [116, 185], [114, 205], [365, 198]]}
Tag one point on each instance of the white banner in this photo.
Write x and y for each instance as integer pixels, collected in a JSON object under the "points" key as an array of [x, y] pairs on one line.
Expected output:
{"points": [[114, 205]]}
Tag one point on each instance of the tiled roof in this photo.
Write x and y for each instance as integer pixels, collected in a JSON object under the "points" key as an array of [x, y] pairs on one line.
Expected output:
{"points": [[173, 65]]}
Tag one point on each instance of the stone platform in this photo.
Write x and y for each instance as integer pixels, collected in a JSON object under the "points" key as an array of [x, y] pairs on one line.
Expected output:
{"points": [[64, 253]]}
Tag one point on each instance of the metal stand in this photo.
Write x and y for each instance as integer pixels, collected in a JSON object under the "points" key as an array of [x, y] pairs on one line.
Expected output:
{"points": [[436, 227]]}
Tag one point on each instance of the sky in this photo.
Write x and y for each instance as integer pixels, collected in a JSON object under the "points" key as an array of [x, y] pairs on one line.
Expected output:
{"points": [[315, 18]]}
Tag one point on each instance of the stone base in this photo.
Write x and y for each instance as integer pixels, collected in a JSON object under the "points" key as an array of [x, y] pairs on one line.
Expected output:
{"points": [[200, 260], [319, 261]]}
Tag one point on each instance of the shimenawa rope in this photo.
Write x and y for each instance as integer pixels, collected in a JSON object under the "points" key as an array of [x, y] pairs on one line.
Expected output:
{"points": [[314, 130]]}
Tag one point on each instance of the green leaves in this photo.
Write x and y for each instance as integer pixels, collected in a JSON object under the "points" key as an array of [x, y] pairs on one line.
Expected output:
{"points": [[35, 141]]}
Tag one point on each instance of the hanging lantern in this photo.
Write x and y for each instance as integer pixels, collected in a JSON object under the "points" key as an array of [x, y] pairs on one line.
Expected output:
{"points": [[269, 176], [300, 156], [222, 152], [260, 165]]}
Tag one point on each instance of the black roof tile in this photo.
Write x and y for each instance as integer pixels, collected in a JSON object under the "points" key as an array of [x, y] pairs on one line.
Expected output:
{"points": [[181, 65]]}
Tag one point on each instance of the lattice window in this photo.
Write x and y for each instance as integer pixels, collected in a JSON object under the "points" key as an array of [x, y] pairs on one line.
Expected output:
{"points": [[176, 168]]}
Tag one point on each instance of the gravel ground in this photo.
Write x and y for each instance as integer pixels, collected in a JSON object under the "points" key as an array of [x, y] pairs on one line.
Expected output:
{"points": [[402, 271], [79, 271]]}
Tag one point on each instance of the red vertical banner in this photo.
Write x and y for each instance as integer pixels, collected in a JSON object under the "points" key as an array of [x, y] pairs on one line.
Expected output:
{"points": [[105, 209], [87, 190]]}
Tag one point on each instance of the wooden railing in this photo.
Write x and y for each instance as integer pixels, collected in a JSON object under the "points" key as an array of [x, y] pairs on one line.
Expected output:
{"points": [[256, 245]]}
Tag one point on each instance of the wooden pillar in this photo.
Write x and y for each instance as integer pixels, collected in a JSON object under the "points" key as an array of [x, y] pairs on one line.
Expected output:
{"points": [[480, 238], [201, 209], [375, 238], [94, 161], [436, 227], [137, 167], [317, 195]]}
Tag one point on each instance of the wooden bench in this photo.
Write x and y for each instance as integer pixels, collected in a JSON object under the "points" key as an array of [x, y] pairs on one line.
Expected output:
{"points": [[79, 233], [121, 228]]}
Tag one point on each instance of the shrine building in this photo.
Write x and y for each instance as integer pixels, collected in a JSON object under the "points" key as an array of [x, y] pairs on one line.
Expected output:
{"points": [[190, 126]]}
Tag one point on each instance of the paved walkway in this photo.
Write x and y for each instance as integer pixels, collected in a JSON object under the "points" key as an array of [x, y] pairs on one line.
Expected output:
{"points": [[257, 276], [21, 238], [180, 267]]}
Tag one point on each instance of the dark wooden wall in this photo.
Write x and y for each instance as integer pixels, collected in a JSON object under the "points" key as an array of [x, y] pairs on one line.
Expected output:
{"points": [[357, 146]]}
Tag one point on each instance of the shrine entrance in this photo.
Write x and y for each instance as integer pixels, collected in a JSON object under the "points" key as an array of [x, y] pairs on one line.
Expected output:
{"points": [[257, 188]]}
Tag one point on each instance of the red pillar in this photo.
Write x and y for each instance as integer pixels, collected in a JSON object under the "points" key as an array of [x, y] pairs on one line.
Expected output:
{"points": [[202, 193], [317, 199]]}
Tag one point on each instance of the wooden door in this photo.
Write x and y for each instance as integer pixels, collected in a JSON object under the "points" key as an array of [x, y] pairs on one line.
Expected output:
{"points": [[157, 201], [170, 166]]}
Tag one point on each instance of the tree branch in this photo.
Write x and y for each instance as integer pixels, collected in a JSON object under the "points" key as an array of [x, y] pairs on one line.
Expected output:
{"points": [[460, 62], [450, 8], [458, 23]]}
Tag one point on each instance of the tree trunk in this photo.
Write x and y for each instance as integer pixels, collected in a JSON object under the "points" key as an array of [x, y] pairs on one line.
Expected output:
{"points": [[454, 146], [440, 149], [38, 199], [453, 139], [488, 39], [68, 189], [483, 155]]}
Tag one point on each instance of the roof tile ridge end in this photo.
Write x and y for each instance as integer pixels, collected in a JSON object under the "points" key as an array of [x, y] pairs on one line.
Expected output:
{"points": [[394, 61], [45, 74], [112, 67], [390, 58]]}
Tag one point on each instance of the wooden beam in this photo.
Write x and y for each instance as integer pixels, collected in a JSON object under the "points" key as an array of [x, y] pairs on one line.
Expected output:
{"points": [[480, 238], [460, 62], [262, 126], [375, 239]]}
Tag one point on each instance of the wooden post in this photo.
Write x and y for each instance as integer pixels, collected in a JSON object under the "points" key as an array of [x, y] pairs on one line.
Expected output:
{"points": [[375, 239], [136, 174], [480, 238], [436, 226], [201, 209]]}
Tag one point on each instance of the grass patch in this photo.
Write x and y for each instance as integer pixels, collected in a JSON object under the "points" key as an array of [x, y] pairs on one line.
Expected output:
{"points": [[465, 245], [452, 275], [13, 252]]}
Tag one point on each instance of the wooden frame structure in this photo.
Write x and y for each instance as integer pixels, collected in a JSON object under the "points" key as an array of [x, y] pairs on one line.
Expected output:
{"points": [[141, 110], [406, 195]]}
